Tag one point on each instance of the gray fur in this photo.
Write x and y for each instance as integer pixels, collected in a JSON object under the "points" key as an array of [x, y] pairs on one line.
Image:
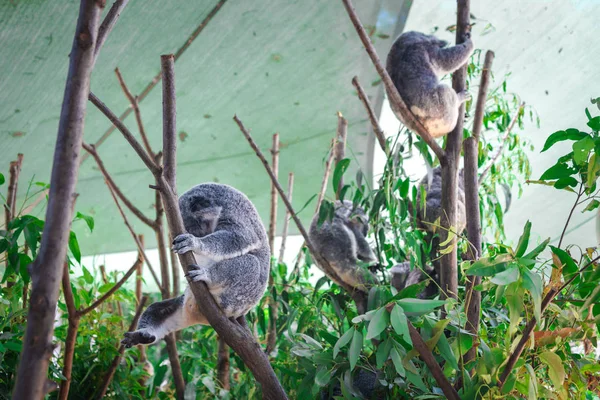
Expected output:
{"points": [[428, 215], [416, 62], [230, 243], [401, 277], [342, 243]]}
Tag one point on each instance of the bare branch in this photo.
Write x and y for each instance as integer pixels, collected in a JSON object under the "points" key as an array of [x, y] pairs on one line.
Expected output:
{"points": [[503, 142], [167, 63], [49, 264], [108, 24], [175, 365], [73, 325], [379, 134], [273, 311], [91, 149], [339, 148], [482, 94], [223, 375], [286, 221], [174, 270], [10, 208], [117, 360], [394, 97]]}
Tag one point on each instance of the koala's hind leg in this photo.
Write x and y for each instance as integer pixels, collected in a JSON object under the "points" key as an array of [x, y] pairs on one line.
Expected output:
{"points": [[164, 317]]}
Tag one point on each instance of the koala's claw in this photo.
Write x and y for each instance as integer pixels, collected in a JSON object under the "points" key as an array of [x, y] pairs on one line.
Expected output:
{"points": [[184, 243], [137, 337], [197, 273]]}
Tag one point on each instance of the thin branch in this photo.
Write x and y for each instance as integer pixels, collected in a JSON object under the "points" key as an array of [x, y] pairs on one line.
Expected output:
{"points": [[155, 169], [432, 364], [286, 221], [223, 364], [484, 84], [503, 142], [117, 360], [394, 97], [174, 270], [167, 63], [136, 110], [175, 365], [108, 24], [273, 311], [133, 234], [379, 134], [73, 325], [162, 247], [10, 208], [48, 266], [339, 149], [91, 149]]}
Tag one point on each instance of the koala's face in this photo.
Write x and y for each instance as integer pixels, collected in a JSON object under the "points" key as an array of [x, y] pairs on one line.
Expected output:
{"points": [[200, 214]]}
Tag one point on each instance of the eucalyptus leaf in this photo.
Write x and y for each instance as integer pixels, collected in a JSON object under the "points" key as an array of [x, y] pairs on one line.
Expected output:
{"points": [[400, 323], [556, 370], [569, 134], [378, 323], [523, 240], [344, 340], [355, 348], [419, 306]]}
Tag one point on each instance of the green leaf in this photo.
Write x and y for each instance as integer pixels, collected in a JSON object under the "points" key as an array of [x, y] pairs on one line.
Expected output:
{"points": [[592, 205], [557, 171], [556, 370], [339, 171], [524, 240], [418, 306], [378, 323], [533, 388], [533, 283], [594, 123], [569, 134], [383, 352], [344, 340], [593, 170], [89, 279], [3, 245], [88, 220], [2, 179], [323, 376], [489, 266], [567, 182], [581, 149], [506, 277], [326, 212], [306, 204], [355, 347], [410, 291], [537, 251], [74, 247], [569, 267], [397, 360], [400, 323]]}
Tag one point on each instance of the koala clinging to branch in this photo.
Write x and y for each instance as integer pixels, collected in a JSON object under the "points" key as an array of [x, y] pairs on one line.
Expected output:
{"points": [[232, 254], [342, 243], [416, 63]]}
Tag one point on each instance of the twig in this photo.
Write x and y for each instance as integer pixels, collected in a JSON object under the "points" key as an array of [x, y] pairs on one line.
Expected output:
{"points": [[286, 221], [10, 207], [273, 311], [136, 110], [432, 364], [339, 149], [133, 234], [470, 147], [91, 149], [503, 142], [108, 24], [223, 376], [379, 134], [117, 360], [449, 263], [394, 97], [48, 266]]}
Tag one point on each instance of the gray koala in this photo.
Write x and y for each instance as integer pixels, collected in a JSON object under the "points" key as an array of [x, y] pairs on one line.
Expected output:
{"points": [[416, 63], [341, 241], [232, 254], [428, 215]]}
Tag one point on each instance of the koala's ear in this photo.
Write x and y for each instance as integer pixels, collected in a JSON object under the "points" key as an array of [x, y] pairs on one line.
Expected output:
{"points": [[442, 43]]}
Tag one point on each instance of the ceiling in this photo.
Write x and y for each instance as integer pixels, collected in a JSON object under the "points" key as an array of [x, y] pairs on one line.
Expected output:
{"points": [[282, 66]]}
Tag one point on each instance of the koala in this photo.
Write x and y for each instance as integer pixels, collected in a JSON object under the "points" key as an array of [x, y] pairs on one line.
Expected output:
{"points": [[428, 215], [416, 62], [342, 243], [365, 382], [401, 276], [232, 253]]}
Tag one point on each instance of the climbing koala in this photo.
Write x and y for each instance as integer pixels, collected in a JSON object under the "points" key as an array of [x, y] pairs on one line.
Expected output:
{"points": [[416, 62], [341, 241], [428, 215], [232, 253]]}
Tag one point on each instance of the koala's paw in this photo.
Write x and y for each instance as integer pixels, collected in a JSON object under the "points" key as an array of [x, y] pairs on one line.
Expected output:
{"points": [[137, 337], [184, 243], [197, 273], [463, 96]]}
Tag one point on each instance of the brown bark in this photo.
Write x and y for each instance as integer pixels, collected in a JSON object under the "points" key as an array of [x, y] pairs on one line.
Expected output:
{"points": [[117, 360], [47, 269], [10, 208], [286, 221], [167, 63], [449, 164], [223, 376], [108, 23], [393, 95], [377, 131], [174, 270], [273, 311], [339, 149]]}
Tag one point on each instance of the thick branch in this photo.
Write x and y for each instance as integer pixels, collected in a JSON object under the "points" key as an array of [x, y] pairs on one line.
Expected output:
{"points": [[286, 221], [503, 142], [339, 149], [432, 364], [273, 311], [379, 134], [117, 360], [48, 266], [91, 149], [167, 63], [393, 95], [449, 265]]}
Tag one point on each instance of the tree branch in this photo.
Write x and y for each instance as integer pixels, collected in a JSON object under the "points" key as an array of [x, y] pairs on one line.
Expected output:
{"points": [[339, 149], [48, 266], [286, 221], [73, 325], [394, 97], [379, 134], [10, 208], [108, 24], [167, 63], [91, 149], [223, 364], [273, 311]]}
